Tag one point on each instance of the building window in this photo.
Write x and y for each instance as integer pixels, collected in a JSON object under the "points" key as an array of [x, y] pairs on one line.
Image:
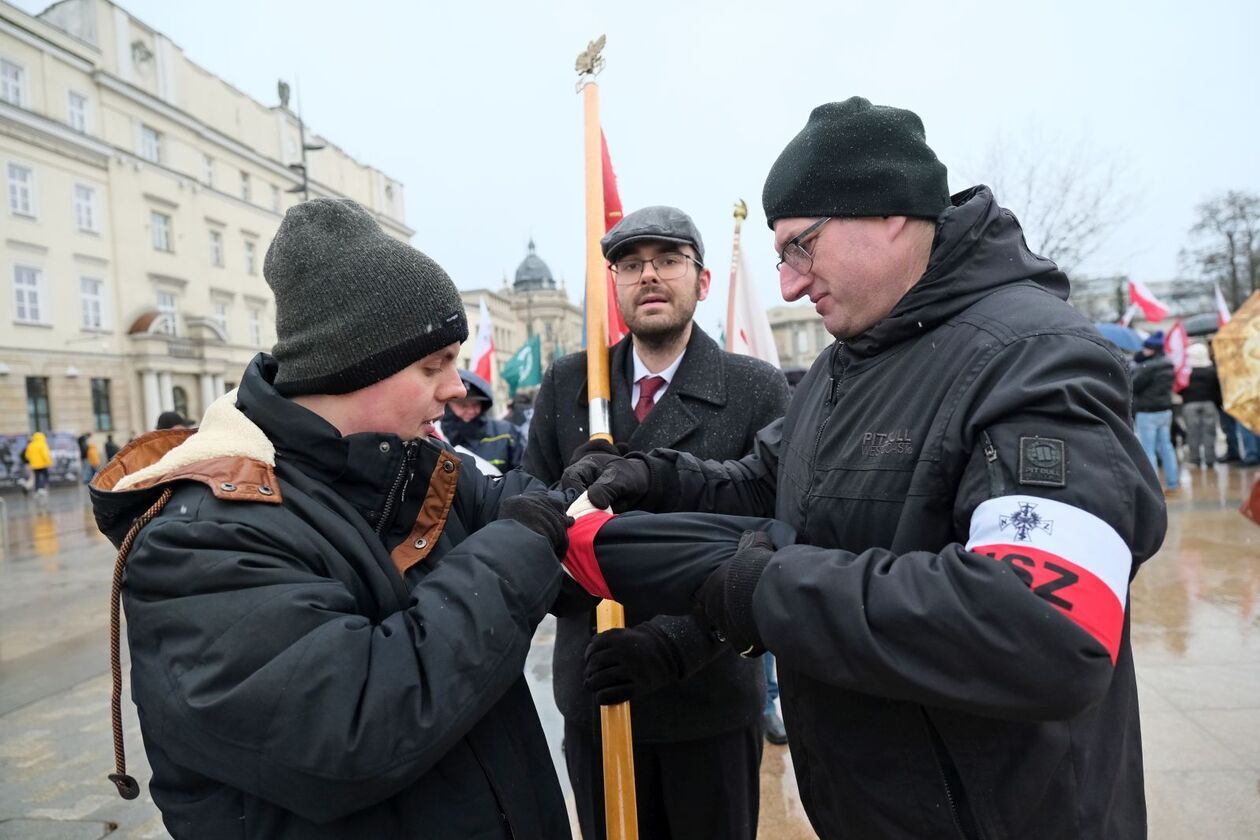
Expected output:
{"points": [[27, 283], [166, 308], [245, 189], [160, 226], [77, 115], [275, 198], [802, 340], [102, 413], [150, 144], [220, 309], [91, 304], [21, 190], [255, 328], [208, 171], [12, 82], [216, 248], [251, 257], [85, 208], [38, 414]]}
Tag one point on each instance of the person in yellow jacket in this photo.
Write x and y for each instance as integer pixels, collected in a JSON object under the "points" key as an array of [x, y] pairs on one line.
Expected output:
{"points": [[92, 461], [39, 457]]}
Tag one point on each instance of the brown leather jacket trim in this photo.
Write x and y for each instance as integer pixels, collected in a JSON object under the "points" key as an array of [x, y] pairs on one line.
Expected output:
{"points": [[232, 478], [432, 517], [138, 454]]}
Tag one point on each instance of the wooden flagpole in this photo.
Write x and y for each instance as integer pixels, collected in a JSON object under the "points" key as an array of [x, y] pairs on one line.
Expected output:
{"points": [[620, 813]]}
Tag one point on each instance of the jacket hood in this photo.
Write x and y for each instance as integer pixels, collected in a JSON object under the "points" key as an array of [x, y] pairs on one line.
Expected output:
{"points": [[979, 247], [478, 388]]}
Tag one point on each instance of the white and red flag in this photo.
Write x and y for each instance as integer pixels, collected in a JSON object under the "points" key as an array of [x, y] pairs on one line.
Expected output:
{"points": [[1222, 309], [1176, 343], [1153, 309], [483, 347], [748, 332]]}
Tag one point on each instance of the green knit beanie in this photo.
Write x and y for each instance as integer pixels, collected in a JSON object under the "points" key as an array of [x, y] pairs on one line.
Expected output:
{"points": [[855, 159], [353, 304]]}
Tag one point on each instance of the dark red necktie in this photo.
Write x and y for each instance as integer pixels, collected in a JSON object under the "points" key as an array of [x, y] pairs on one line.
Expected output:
{"points": [[648, 386]]}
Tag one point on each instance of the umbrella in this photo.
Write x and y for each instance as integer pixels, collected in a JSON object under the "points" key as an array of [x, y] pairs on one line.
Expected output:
{"points": [[1237, 348], [1126, 338]]}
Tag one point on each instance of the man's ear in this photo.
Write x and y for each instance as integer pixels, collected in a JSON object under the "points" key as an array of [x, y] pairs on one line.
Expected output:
{"points": [[704, 281]]}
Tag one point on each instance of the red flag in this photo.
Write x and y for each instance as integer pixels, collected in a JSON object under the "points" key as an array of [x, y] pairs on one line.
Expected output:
{"points": [[1153, 309], [1175, 345], [483, 347], [617, 328]]}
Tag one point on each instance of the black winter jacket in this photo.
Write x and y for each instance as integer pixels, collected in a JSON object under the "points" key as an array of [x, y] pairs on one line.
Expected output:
{"points": [[1153, 380], [1204, 386], [970, 504], [331, 647], [714, 407]]}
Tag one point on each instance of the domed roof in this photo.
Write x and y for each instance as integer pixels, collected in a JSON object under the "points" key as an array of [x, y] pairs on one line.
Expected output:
{"points": [[533, 274]]}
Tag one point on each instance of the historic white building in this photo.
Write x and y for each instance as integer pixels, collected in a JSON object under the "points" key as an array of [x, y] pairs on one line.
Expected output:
{"points": [[140, 195]]}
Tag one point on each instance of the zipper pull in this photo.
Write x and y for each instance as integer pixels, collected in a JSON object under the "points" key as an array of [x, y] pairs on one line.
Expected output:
{"points": [[990, 451]]}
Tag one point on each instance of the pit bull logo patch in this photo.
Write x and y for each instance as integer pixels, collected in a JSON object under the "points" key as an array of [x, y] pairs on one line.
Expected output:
{"points": [[1042, 461]]}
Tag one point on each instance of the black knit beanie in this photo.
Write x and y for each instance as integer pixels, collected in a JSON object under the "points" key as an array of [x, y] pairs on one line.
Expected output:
{"points": [[353, 304], [857, 159]]}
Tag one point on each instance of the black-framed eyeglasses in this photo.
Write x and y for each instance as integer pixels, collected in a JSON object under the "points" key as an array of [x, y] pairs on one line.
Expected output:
{"points": [[668, 266], [794, 253]]}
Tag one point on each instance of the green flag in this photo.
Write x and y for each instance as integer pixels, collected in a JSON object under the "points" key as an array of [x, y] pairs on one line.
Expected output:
{"points": [[524, 369]]}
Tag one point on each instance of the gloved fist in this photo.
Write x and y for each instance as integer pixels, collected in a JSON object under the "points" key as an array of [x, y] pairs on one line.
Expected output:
{"points": [[599, 446], [543, 513], [610, 482], [626, 663], [725, 599]]}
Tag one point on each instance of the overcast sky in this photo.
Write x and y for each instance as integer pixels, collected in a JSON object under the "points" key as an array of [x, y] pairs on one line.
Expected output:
{"points": [[472, 105]]}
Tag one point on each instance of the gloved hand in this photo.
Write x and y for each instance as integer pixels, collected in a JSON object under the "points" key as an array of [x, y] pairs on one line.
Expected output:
{"points": [[725, 599], [616, 482], [543, 513], [599, 446], [626, 663]]}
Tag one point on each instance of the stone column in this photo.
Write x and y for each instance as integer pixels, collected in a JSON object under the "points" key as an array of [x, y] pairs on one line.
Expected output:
{"points": [[152, 400], [219, 390], [166, 393], [208, 392]]}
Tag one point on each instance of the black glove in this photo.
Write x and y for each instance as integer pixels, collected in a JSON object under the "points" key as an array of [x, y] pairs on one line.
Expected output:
{"points": [[543, 513], [619, 483], [725, 598], [623, 664], [599, 446]]}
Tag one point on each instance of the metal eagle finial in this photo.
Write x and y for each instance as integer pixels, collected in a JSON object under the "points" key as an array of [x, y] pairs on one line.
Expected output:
{"points": [[741, 210], [589, 61]]}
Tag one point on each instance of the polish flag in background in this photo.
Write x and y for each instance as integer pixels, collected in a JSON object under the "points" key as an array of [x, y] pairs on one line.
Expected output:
{"points": [[617, 328], [1222, 310], [1153, 309], [483, 347], [1175, 345]]}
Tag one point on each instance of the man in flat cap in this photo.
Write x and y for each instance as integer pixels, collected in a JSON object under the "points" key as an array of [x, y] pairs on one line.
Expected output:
{"points": [[329, 613], [970, 502], [695, 705]]}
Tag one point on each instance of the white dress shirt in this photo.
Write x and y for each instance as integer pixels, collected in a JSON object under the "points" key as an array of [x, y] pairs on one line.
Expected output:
{"points": [[640, 371]]}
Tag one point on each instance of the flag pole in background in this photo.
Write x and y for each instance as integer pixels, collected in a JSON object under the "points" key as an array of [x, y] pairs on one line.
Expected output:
{"points": [[747, 327], [741, 213], [620, 814]]}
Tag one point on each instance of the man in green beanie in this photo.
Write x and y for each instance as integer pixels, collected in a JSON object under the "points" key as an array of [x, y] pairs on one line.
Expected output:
{"points": [[329, 615], [970, 502]]}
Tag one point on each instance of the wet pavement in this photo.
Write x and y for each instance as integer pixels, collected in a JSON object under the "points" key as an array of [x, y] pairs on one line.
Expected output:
{"points": [[1195, 628]]}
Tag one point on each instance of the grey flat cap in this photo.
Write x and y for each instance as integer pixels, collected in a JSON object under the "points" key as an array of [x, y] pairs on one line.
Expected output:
{"points": [[668, 224]]}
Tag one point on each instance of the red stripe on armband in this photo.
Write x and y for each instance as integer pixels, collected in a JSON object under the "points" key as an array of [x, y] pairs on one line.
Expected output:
{"points": [[580, 560]]}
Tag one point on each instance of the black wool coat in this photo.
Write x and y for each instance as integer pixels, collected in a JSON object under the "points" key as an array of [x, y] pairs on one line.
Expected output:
{"points": [[714, 407]]}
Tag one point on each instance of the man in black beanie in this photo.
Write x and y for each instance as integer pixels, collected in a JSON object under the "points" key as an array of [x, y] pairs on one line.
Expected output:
{"points": [[329, 614], [970, 505]]}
